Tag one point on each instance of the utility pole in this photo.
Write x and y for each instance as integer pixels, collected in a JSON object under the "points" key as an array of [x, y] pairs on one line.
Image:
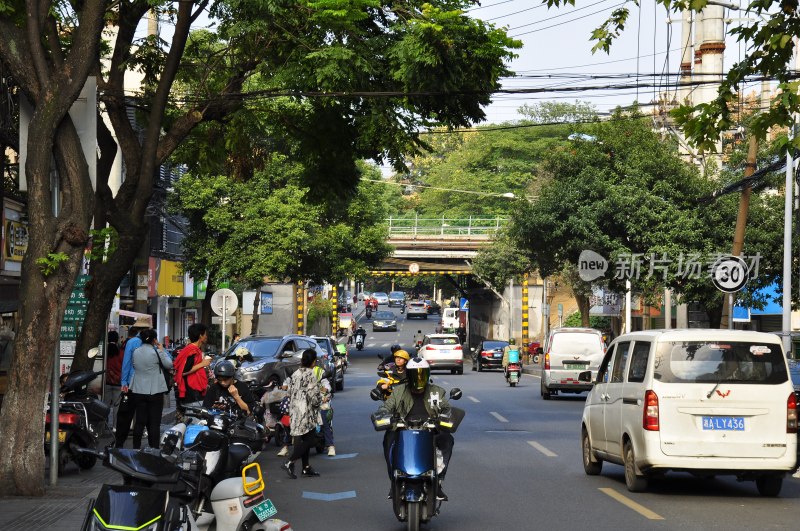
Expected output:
{"points": [[741, 221]]}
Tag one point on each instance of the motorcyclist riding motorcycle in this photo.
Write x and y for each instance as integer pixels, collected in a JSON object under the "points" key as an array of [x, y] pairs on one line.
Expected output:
{"points": [[511, 346], [418, 399], [228, 392]]}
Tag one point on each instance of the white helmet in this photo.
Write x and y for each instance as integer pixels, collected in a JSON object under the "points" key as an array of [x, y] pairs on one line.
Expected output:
{"points": [[418, 373]]}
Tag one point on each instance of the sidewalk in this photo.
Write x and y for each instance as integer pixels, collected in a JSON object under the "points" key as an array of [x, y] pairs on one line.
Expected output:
{"points": [[64, 506]]}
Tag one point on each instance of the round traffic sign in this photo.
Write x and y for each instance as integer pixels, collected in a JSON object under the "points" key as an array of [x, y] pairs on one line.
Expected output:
{"points": [[730, 274], [224, 298], [413, 268]]}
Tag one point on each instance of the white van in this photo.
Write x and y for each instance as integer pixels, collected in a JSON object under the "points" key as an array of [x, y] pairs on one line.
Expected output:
{"points": [[707, 402], [568, 352], [450, 319]]}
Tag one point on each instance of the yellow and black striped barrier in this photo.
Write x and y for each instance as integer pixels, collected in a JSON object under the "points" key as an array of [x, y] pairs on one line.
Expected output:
{"points": [[525, 321], [300, 308], [421, 273], [334, 311]]}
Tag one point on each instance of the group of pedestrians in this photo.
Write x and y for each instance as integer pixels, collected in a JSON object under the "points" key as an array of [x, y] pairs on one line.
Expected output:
{"points": [[137, 377]]}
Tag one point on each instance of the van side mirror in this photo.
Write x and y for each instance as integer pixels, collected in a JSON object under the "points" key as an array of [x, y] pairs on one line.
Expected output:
{"points": [[585, 376], [455, 393], [287, 354]]}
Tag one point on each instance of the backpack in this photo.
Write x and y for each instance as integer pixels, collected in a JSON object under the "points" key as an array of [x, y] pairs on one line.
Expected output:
{"points": [[284, 406]]}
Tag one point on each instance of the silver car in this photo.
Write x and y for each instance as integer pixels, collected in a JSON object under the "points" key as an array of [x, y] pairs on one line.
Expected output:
{"points": [[274, 358]]}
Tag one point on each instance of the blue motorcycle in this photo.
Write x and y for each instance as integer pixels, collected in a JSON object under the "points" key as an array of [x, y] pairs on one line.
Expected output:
{"points": [[415, 467]]}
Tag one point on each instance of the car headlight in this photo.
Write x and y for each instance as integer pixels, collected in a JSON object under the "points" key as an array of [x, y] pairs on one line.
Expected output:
{"points": [[254, 368], [393, 323]]}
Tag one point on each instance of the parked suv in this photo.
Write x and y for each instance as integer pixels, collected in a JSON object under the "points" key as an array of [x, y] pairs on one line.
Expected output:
{"points": [[707, 402], [275, 358], [443, 351], [568, 352]]}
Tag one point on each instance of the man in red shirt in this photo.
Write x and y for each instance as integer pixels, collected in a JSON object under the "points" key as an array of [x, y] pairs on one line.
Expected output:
{"points": [[190, 375]]}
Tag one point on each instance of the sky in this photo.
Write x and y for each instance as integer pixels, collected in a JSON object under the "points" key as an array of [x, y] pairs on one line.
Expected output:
{"points": [[557, 44]]}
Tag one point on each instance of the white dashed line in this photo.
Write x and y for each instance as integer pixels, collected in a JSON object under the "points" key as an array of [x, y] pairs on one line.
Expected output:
{"points": [[542, 449], [474, 399], [498, 416]]}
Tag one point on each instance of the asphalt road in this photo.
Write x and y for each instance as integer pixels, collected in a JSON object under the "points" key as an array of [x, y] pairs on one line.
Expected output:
{"points": [[516, 465]]}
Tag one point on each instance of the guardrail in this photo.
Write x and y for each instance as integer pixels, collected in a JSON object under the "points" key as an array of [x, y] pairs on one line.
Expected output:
{"points": [[472, 226]]}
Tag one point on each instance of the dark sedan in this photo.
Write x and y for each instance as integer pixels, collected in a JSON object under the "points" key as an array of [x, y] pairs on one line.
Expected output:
{"points": [[433, 307], [384, 321], [488, 355]]}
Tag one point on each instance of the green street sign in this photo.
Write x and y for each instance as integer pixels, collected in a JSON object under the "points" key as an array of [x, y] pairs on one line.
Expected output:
{"points": [[70, 330], [75, 313]]}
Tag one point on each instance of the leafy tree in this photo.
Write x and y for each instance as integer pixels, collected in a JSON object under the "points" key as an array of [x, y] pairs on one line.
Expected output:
{"points": [[770, 44], [267, 227], [626, 193], [327, 59]]}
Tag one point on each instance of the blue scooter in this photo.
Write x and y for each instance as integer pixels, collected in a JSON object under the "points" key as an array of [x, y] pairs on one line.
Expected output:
{"points": [[415, 473]]}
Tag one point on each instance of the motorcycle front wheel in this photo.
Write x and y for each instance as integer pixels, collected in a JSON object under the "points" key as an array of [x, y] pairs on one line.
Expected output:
{"points": [[414, 516]]}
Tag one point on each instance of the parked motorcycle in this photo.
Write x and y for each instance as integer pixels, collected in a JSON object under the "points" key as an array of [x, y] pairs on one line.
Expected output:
{"points": [[82, 417], [416, 463], [161, 491]]}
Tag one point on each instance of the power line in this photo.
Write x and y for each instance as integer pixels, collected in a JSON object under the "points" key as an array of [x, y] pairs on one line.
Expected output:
{"points": [[548, 19], [520, 11], [470, 10], [567, 21]]}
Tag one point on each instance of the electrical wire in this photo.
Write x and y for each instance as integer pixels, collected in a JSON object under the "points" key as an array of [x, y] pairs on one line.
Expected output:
{"points": [[565, 14], [566, 21], [520, 11]]}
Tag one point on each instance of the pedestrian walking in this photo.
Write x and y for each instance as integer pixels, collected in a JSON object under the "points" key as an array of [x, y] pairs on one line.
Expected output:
{"points": [[150, 362], [113, 376], [326, 410], [191, 378], [305, 399], [127, 409]]}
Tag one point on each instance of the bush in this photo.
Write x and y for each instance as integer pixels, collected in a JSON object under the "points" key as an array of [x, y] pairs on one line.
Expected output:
{"points": [[600, 323]]}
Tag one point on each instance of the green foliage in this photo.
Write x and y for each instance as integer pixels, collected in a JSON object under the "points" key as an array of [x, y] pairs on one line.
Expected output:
{"points": [[104, 243], [500, 262], [267, 226], [319, 308], [49, 264], [598, 323]]}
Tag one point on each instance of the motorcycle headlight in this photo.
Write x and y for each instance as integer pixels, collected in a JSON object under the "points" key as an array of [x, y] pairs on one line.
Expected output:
{"points": [[254, 368]]}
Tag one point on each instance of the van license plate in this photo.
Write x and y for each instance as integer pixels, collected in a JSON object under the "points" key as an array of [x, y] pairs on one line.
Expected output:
{"points": [[723, 423], [575, 366]]}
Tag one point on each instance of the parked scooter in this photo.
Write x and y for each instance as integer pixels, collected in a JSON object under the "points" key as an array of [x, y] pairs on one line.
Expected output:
{"points": [[82, 417], [416, 463], [160, 491]]}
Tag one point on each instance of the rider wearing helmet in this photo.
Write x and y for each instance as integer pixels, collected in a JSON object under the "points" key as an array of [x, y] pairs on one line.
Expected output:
{"points": [[415, 400], [227, 391], [389, 360]]}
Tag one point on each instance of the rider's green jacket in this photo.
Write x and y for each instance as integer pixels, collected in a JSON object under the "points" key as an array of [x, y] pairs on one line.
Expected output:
{"points": [[401, 401]]}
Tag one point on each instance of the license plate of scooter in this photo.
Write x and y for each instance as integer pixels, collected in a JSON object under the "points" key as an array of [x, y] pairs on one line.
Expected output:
{"points": [[62, 436], [264, 510]]}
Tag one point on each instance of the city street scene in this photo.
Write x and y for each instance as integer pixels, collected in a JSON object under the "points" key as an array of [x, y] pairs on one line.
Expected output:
{"points": [[442, 264]]}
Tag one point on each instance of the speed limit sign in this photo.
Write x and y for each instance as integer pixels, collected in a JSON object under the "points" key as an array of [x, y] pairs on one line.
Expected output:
{"points": [[729, 274]]}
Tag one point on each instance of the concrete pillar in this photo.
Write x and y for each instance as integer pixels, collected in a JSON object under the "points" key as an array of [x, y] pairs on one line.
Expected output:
{"points": [[682, 316]]}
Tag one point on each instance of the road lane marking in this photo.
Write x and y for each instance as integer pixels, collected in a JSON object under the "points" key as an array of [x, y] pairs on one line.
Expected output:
{"points": [[542, 449], [334, 496], [445, 383], [474, 399], [498, 416], [627, 502]]}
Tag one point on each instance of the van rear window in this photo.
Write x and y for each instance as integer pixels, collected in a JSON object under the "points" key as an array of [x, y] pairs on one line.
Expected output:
{"points": [[577, 343], [712, 362]]}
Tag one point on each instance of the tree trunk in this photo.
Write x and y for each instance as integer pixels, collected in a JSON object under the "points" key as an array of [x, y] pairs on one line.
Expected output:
{"points": [[583, 308], [43, 300]]}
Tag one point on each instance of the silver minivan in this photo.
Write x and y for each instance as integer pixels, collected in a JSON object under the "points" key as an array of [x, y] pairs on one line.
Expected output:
{"points": [[707, 402], [568, 352]]}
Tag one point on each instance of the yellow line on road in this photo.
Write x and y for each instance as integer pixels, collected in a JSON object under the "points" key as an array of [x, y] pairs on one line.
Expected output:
{"points": [[627, 502]]}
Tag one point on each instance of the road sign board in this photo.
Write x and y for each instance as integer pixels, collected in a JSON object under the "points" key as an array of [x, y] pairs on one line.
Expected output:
{"points": [[224, 298], [730, 274]]}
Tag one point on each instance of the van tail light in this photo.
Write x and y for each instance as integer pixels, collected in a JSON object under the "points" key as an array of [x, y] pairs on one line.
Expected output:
{"points": [[547, 361], [650, 416], [791, 414]]}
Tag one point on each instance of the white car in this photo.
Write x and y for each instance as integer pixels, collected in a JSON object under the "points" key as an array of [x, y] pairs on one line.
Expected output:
{"points": [[707, 402], [569, 351], [443, 351], [381, 297]]}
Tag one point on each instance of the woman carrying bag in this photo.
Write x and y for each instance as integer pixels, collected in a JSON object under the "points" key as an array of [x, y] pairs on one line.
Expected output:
{"points": [[152, 368]]}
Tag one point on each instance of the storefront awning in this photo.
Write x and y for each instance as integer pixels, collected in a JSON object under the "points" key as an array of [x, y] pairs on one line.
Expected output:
{"points": [[138, 316]]}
